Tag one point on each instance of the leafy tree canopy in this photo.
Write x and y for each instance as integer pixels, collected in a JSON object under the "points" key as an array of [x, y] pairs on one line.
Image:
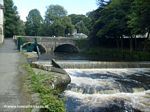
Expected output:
{"points": [[82, 23], [12, 20], [53, 12], [33, 23], [119, 18]]}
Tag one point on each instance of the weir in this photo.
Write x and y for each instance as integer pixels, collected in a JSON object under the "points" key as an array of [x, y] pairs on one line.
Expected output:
{"points": [[106, 86], [97, 64], [121, 87]]}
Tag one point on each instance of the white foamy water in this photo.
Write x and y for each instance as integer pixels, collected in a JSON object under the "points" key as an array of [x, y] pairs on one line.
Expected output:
{"points": [[119, 71], [139, 101], [108, 90]]}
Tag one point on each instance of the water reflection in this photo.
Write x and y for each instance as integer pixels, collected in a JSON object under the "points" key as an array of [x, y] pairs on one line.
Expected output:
{"points": [[67, 56]]}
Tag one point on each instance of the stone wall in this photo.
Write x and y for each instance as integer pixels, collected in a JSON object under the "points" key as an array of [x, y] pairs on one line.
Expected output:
{"points": [[50, 43]]}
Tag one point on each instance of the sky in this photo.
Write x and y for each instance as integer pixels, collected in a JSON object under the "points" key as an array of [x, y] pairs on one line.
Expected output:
{"points": [[72, 6]]}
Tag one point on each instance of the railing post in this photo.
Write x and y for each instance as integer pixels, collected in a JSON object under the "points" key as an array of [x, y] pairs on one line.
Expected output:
{"points": [[18, 43], [37, 47]]}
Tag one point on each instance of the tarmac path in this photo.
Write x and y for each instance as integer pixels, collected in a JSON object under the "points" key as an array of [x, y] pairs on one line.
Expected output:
{"points": [[10, 77]]}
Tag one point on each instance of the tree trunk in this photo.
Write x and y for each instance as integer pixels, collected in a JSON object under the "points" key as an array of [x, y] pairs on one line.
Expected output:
{"points": [[117, 43], [121, 43], [131, 43], [135, 43], [145, 44]]}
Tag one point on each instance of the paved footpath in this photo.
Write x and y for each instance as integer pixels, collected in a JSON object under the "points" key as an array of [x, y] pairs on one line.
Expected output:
{"points": [[10, 77]]}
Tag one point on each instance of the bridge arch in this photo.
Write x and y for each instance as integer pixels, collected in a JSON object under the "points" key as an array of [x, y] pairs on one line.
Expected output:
{"points": [[66, 48], [29, 46]]}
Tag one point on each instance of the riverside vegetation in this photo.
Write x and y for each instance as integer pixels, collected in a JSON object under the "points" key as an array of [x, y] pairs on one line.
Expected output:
{"points": [[40, 83], [115, 24], [105, 54]]}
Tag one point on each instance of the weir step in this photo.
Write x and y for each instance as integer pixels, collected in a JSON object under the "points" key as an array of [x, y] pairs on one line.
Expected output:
{"points": [[97, 64]]}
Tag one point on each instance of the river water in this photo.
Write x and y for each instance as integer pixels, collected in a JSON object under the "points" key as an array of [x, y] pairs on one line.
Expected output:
{"points": [[108, 90], [105, 90], [68, 56]]}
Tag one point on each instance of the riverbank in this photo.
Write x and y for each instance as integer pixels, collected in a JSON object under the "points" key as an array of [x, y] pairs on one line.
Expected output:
{"points": [[45, 84], [107, 54], [40, 85]]}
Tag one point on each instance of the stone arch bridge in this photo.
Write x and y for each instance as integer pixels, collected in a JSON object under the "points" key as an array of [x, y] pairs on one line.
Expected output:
{"points": [[51, 44]]}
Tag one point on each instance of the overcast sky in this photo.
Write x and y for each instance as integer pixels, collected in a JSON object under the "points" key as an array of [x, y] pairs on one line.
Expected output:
{"points": [[72, 6]]}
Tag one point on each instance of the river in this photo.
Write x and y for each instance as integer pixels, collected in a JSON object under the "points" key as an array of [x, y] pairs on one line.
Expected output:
{"points": [[106, 90], [68, 56]]}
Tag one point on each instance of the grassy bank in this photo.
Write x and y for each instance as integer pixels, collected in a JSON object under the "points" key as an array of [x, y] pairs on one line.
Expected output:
{"points": [[117, 54], [41, 84]]}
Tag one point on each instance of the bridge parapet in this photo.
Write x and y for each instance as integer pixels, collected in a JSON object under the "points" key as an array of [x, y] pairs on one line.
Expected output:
{"points": [[50, 43]]}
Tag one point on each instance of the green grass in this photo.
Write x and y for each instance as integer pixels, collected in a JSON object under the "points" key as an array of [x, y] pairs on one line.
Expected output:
{"points": [[117, 54], [48, 96]]}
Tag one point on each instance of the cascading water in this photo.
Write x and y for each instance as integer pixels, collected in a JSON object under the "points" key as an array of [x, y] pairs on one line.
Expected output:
{"points": [[108, 90]]}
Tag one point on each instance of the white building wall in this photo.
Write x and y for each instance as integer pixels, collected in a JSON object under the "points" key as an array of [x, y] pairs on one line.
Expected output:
{"points": [[1, 16], [1, 22]]}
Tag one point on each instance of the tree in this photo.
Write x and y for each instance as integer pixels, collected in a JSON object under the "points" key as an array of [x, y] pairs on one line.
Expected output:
{"points": [[56, 22], [33, 23], [54, 12], [81, 28], [58, 29], [61, 27], [21, 28], [12, 19], [69, 27], [78, 19], [111, 20], [75, 18], [139, 18]]}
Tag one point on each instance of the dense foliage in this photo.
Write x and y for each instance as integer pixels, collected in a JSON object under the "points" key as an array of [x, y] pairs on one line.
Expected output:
{"points": [[81, 23], [12, 24], [33, 23], [113, 19], [56, 22], [119, 18]]}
